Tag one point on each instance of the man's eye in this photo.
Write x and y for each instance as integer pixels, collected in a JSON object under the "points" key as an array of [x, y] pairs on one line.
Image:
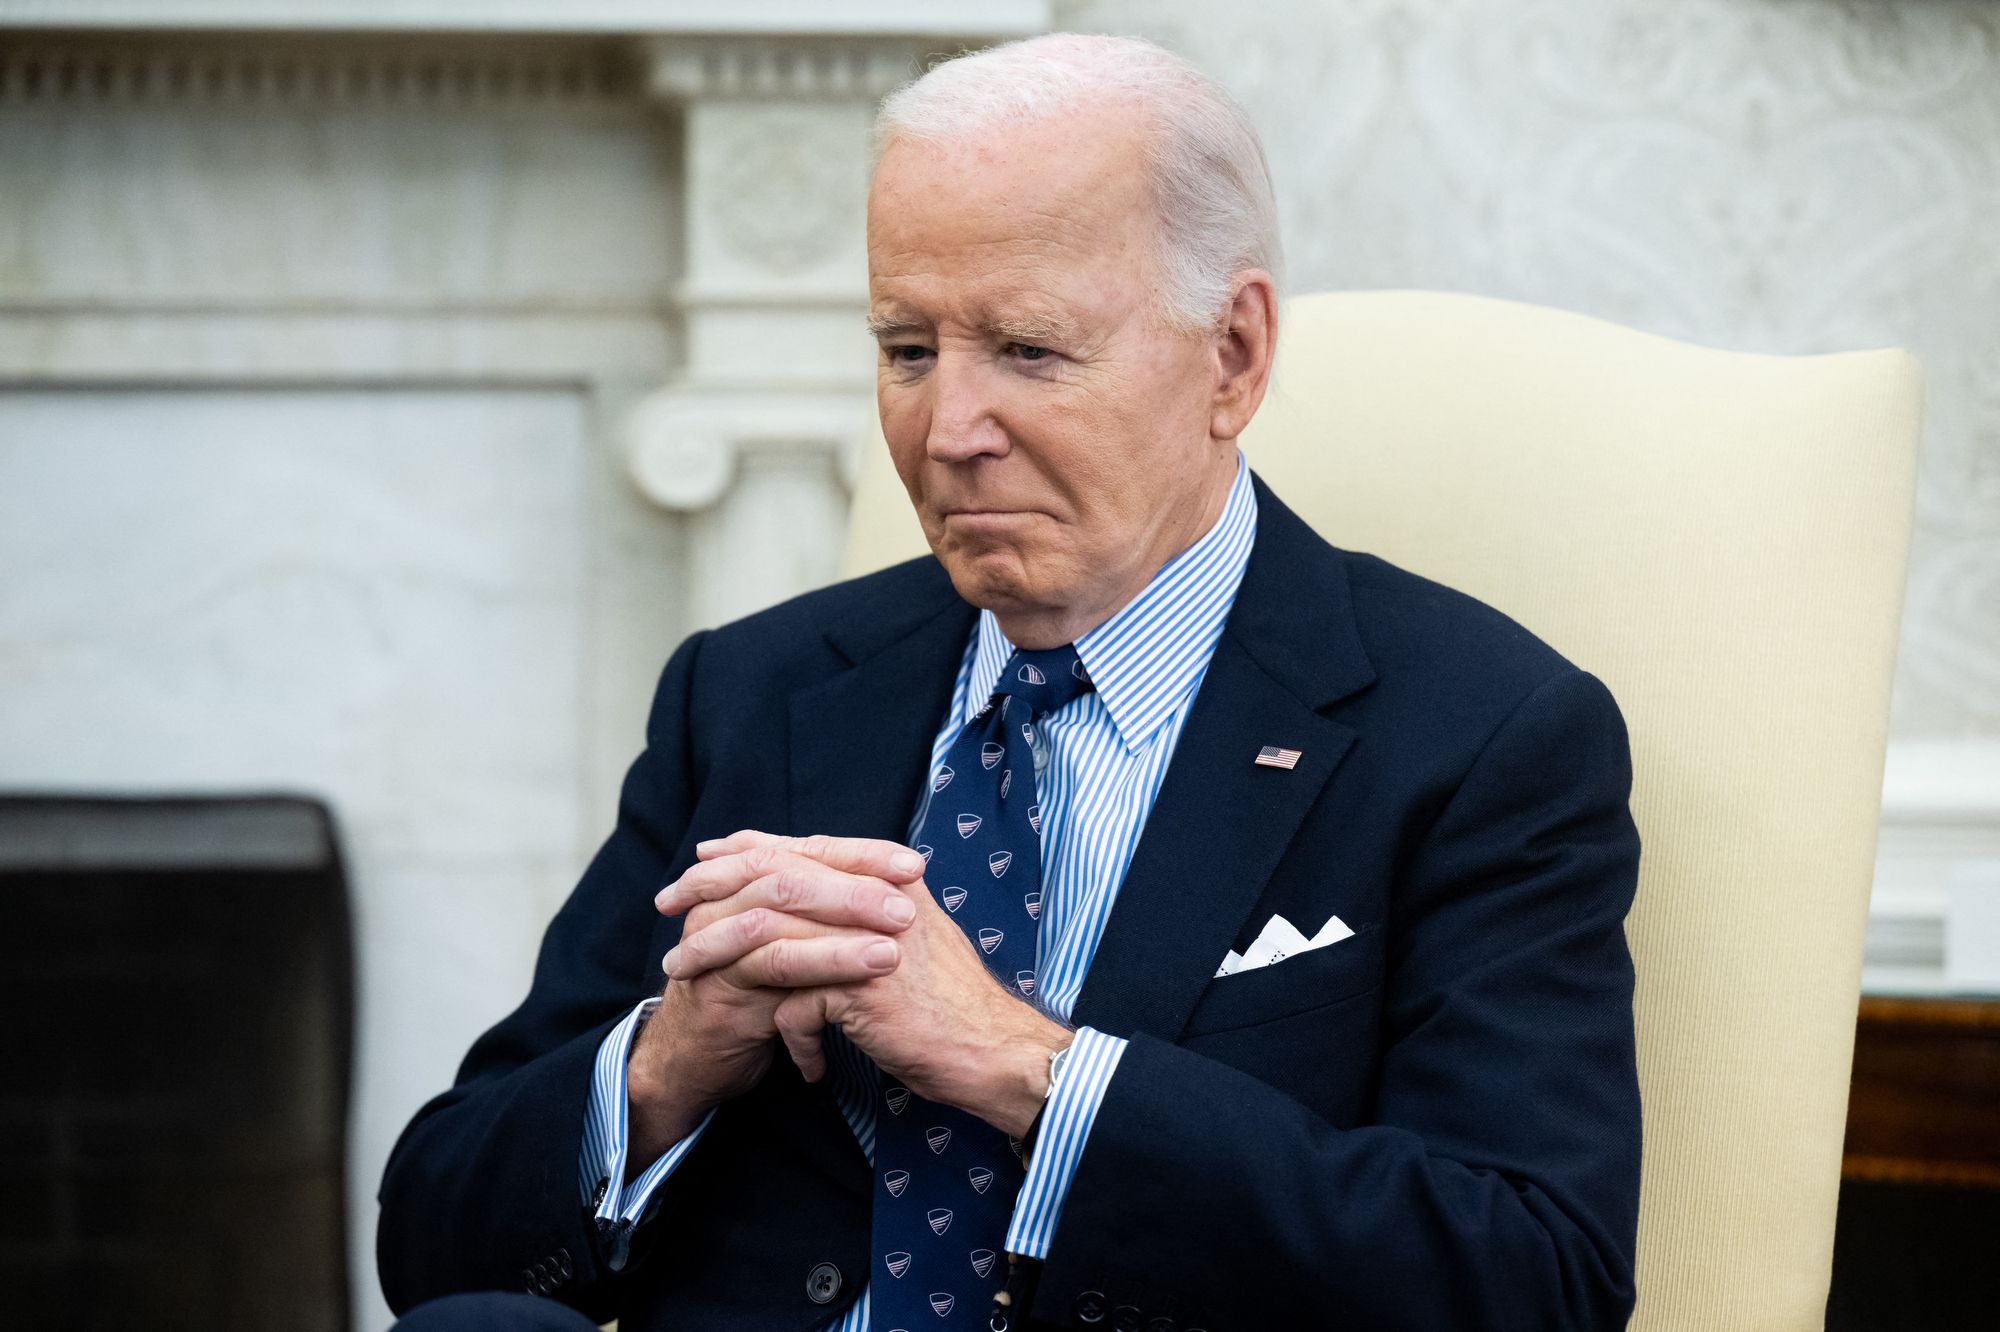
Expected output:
{"points": [[1028, 351], [908, 354]]}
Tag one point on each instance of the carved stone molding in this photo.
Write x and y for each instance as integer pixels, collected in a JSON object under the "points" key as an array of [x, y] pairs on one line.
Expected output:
{"points": [[865, 69], [288, 69], [791, 188], [776, 142], [1940, 813], [684, 444]]}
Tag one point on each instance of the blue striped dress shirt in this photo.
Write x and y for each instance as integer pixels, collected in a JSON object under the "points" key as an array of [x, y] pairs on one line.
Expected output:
{"points": [[1099, 762]]}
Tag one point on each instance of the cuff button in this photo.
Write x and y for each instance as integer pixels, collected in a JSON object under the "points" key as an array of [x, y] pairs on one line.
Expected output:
{"points": [[1090, 1307]]}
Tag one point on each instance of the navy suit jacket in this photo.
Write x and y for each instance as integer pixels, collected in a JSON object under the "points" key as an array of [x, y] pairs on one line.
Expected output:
{"points": [[1433, 1124]]}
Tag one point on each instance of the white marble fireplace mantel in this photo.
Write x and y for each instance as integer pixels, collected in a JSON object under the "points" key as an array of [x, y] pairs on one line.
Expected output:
{"points": [[808, 17], [379, 192]]}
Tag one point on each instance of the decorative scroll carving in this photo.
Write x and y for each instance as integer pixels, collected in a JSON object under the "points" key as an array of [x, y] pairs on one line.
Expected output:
{"points": [[683, 444]]}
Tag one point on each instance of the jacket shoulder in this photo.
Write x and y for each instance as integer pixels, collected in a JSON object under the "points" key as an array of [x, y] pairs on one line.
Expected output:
{"points": [[1411, 625], [819, 631], [892, 596]]}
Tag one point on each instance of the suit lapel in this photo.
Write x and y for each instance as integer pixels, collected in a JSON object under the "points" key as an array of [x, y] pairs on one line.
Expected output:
{"points": [[861, 741], [1221, 823]]}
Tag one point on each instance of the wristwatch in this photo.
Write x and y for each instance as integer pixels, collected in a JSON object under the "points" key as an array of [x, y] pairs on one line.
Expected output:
{"points": [[1027, 1146]]}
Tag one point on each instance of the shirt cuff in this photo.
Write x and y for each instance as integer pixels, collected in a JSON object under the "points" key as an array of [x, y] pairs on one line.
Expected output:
{"points": [[1072, 1109], [606, 1134]]}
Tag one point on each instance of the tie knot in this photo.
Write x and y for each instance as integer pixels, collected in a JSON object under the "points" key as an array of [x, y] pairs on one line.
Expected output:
{"points": [[1044, 680]]}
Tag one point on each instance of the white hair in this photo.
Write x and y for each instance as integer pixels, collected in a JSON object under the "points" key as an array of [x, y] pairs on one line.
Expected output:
{"points": [[1210, 182]]}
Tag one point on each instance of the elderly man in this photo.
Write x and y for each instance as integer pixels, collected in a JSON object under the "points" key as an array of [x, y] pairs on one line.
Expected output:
{"points": [[1142, 913]]}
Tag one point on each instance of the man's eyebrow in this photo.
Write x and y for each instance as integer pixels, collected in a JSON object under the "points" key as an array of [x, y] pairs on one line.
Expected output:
{"points": [[892, 325], [1036, 326], [1016, 326]]}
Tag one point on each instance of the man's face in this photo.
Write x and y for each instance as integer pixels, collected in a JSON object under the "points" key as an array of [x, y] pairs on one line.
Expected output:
{"points": [[1053, 436]]}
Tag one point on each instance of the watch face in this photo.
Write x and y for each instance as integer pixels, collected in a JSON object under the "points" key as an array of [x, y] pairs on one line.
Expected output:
{"points": [[1056, 1060]]}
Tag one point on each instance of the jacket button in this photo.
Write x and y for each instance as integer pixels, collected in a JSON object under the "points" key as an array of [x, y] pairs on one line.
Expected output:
{"points": [[564, 1264], [1090, 1307], [528, 1281], [823, 1283], [1125, 1318]]}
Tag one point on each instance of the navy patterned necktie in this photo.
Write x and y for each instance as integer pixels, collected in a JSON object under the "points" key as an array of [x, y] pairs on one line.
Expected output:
{"points": [[945, 1180]]}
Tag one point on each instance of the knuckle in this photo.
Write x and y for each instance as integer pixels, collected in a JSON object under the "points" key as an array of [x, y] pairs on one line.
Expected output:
{"points": [[692, 949], [788, 889], [754, 924], [781, 962], [816, 846]]}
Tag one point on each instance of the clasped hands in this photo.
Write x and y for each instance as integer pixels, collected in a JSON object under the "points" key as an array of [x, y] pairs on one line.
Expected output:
{"points": [[785, 936]]}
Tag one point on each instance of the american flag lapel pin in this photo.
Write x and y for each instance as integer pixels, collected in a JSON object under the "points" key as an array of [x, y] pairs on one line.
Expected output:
{"points": [[1270, 756]]}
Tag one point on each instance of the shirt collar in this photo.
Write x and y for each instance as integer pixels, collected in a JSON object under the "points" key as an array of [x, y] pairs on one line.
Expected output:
{"points": [[1146, 659]]}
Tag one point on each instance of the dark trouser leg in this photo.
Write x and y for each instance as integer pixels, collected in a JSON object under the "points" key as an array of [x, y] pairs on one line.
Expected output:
{"points": [[493, 1311]]}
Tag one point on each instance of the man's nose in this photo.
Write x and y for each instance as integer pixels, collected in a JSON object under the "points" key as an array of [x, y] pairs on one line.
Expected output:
{"points": [[963, 401]]}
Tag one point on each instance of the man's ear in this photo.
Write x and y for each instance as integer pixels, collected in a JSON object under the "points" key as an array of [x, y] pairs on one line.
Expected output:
{"points": [[1244, 343]]}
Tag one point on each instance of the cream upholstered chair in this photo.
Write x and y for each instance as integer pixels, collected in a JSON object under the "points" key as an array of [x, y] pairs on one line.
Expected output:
{"points": [[1721, 538]]}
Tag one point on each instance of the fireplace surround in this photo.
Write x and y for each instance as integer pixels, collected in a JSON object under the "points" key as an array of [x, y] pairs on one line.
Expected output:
{"points": [[177, 984]]}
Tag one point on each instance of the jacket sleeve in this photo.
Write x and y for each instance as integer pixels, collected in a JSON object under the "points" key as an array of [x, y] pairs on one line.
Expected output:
{"points": [[481, 1192], [1497, 1185], [621, 1208]]}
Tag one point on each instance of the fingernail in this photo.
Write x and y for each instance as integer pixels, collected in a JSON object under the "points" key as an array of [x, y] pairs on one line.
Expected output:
{"points": [[906, 862], [667, 962], [710, 847], [900, 909], [881, 954]]}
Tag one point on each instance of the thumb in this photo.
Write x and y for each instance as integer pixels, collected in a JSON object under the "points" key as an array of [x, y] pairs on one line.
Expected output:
{"points": [[800, 1019]]}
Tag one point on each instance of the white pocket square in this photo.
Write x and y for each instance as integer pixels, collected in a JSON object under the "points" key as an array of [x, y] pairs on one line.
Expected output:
{"points": [[1278, 940]]}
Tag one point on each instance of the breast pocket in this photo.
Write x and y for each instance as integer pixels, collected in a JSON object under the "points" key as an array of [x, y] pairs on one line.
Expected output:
{"points": [[1300, 982]]}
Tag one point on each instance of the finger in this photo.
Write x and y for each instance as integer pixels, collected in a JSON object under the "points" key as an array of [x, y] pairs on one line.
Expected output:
{"points": [[726, 942], [800, 1020], [857, 855], [718, 878], [723, 942], [830, 959], [799, 883], [830, 897]]}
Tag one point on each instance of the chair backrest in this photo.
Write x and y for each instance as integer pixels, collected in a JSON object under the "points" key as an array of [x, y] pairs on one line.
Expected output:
{"points": [[1722, 539]]}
